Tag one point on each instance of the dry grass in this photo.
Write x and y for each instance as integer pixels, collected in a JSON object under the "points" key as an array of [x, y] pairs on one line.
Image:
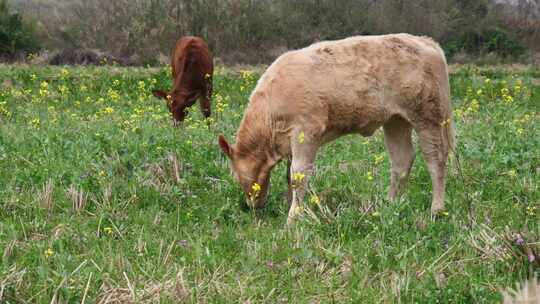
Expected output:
{"points": [[163, 175], [528, 293], [173, 289], [13, 279], [78, 198], [45, 197]]}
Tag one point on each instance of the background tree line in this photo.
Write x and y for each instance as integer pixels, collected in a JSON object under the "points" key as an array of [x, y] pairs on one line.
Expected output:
{"points": [[253, 31]]}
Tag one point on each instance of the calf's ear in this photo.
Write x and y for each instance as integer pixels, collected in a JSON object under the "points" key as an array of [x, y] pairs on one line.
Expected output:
{"points": [[224, 145], [160, 94]]}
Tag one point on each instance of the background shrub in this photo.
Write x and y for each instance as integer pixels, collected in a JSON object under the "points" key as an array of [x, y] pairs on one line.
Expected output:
{"points": [[254, 31], [16, 35]]}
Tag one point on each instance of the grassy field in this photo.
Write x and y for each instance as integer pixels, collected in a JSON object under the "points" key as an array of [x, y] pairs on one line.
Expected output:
{"points": [[101, 200]]}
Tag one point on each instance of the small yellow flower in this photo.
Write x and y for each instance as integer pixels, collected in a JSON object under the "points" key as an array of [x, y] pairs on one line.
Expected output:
{"points": [[63, 89], [369, 176], [256, 187], [246, 74], [446, 122], [35, 122], [48, 253], [255, 190], [375, 214], [298, 176], [108, 230], [487, 80], [141, 85], [445, 213], [379, 159], [459, 113], [301, 137], [315, 200], [299, 210], [531, 210]]}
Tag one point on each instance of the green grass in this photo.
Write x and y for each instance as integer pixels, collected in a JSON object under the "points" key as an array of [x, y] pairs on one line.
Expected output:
{"points": [[100, 198]]}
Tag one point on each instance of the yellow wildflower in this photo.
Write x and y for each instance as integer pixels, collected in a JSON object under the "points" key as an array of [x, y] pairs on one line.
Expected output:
{"points": [[369, 176], [35, 122], [108, 230], [255, 190], [315, 200], [508, 99], [142, 85], [379, 159], [301, 137], [44, 88], [474, 106], [113, 95], [298, 176], [63, 89], [256, 187], [48, 253]]}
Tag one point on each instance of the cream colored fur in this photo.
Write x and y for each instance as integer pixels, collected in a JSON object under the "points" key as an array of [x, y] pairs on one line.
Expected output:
{"points": [[314, 95]]}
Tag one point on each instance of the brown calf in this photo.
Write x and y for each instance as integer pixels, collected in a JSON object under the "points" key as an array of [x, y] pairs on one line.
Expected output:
{"points": [[192, 69], [311, 96]]}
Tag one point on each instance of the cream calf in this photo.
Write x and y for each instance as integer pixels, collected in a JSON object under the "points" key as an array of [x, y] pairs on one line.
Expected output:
{"points": [[314, 95]]}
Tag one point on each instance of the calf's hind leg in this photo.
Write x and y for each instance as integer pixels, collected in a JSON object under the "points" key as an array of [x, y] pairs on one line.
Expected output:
{"points": [[435, 151], [398, 140]]}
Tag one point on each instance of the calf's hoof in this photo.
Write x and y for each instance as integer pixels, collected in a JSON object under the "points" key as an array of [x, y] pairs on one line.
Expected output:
{"points": [[436, 212]]}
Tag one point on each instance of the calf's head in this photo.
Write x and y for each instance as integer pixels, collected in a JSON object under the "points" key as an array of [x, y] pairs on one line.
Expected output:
{"points": [[175, 104], [251, 171]]}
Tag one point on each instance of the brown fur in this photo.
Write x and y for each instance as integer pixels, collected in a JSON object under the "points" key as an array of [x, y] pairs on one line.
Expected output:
{"points": [[192, 68], [356, 85]]}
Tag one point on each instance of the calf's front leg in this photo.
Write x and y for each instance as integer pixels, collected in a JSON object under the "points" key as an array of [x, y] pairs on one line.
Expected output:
{"points": [[303, 157]]}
